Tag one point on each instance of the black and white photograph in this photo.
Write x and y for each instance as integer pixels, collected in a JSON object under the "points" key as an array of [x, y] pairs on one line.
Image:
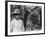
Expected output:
{"points": [[25, 18]]}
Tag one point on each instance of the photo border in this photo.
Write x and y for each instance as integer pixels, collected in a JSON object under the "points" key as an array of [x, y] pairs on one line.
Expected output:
{"points": [[6, 18]]}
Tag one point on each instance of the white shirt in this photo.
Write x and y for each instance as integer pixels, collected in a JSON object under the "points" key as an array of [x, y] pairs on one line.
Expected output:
{"points": [[17, 25]]}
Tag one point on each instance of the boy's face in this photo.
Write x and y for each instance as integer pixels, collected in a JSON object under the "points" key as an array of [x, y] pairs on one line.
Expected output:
{"points": [[17, 17]]}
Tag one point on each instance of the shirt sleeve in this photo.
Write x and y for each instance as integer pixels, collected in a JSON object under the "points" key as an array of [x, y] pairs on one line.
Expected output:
{"points": [[22, 25], [11, 25]]}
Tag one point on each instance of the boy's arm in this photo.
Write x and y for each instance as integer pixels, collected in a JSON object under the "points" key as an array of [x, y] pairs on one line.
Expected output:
{"points": [[11, 26]]}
